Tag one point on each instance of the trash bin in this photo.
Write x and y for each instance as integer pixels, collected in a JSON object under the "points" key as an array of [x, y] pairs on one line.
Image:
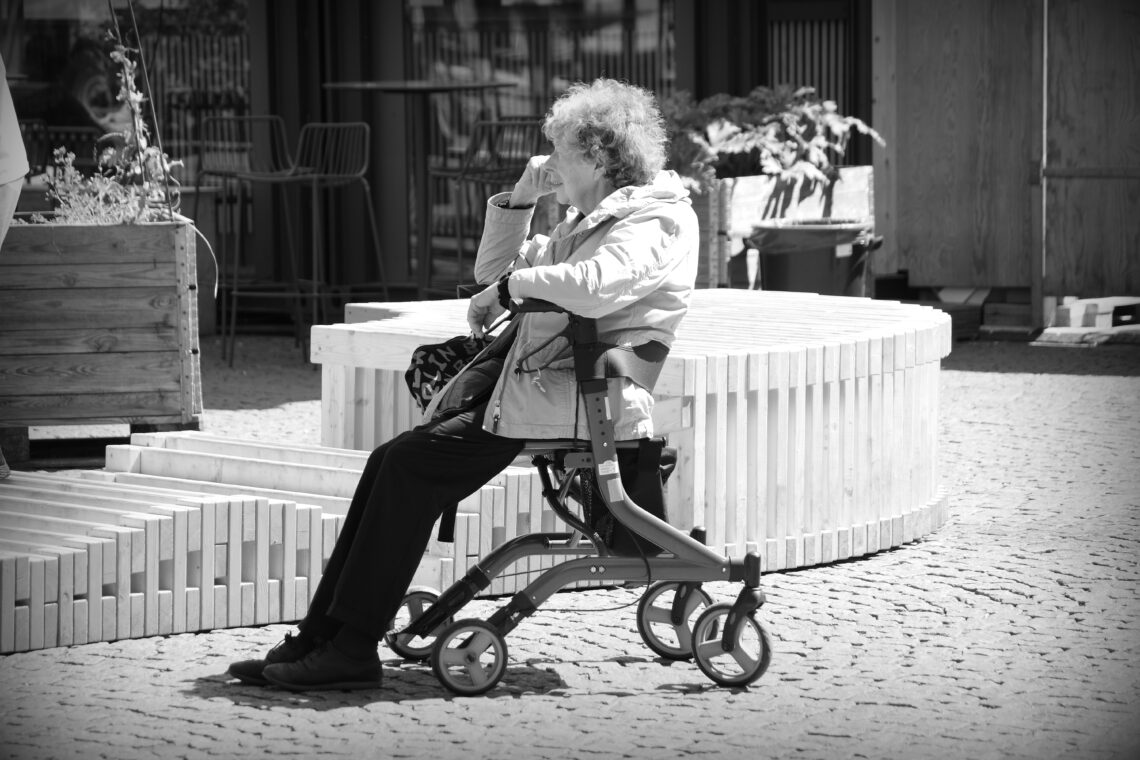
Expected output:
{"points": [[826, 256]]}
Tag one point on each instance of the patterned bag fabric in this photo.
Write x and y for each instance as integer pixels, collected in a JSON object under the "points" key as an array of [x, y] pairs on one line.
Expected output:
{"points": [[434, 364]]}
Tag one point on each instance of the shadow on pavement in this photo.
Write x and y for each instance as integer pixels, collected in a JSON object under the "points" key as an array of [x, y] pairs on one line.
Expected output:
{"points": [[401, 684], [1112, 360]]}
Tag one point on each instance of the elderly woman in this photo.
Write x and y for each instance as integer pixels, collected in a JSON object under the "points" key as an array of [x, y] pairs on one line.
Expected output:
{"points": [[625, 255]]}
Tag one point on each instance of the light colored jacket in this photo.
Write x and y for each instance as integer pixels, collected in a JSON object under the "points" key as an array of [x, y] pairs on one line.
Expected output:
{"points": [[13, 159], [630, 264]]}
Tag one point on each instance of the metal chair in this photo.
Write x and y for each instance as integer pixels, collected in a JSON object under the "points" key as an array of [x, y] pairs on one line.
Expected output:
{"points": [[36, 144], [494, 158], [328, 155], [233, 151]]}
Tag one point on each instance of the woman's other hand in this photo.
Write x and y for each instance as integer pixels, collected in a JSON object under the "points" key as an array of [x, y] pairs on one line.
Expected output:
{"points": [[483, 309], [533, 184]]}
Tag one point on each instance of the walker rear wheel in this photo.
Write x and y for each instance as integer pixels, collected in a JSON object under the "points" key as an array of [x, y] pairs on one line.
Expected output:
{"points": [[673, 641], [469, 657], [411, 607], [750, 652]]}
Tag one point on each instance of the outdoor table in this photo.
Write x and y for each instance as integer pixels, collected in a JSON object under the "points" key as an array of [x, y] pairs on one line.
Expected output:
{"points": [[418, 91], [806, 425]]}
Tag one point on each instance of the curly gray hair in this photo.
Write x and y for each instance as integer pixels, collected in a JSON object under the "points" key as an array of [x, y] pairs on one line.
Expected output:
{"points": [[616, 124]]}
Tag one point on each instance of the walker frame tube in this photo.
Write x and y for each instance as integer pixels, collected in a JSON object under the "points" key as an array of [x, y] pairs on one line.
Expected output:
{"points": [[688, 560]]}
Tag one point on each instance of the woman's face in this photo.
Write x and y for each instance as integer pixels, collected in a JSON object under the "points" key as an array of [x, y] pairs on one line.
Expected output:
{"points": [[576, 178]]}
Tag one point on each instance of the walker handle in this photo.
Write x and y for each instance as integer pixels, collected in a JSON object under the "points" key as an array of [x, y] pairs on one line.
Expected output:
{"points": [[532, 305]]}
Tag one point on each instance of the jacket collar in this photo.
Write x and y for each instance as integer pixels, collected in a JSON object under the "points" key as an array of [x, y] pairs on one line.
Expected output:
{"points": [[666, 187]]}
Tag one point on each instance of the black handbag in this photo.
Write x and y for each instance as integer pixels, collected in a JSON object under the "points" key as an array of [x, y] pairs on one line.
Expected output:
{"points": [[434, 364]]}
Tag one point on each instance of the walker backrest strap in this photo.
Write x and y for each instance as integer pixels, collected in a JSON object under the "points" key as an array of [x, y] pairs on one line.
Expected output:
{"points": [[595, 359], [641, 364]]}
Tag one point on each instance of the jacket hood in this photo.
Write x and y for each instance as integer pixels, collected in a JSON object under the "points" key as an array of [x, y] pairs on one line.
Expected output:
{"points": [[665, 187]]}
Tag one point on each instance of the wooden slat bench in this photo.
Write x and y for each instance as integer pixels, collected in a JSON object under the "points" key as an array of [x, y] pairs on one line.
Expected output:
{"points": [[120, 560], [806, 424], [142, 526]]}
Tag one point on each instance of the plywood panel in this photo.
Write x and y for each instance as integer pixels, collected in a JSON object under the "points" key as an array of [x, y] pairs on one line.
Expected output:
{"points": [[965, 124], [1092, 161], [1093, 106], [1093, 237]]}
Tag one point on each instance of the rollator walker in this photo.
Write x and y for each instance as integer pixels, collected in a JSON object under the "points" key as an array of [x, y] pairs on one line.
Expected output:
{"points": [[675, 617]]}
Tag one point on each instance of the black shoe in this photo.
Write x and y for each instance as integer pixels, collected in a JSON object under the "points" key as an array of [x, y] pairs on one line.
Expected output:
{"points": [[326, 667], [291, 649]]}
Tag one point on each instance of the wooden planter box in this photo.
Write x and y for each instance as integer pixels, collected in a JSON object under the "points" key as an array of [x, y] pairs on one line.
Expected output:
{"points": [[99, 324]]}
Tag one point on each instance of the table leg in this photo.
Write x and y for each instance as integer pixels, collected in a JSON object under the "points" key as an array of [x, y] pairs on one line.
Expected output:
{"points": [[420, 116]]}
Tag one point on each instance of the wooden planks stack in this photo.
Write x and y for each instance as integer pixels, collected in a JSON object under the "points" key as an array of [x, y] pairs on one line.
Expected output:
{"points": [[806, 425]]}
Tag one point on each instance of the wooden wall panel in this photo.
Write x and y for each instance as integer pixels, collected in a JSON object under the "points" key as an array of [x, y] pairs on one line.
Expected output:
{"points": [[963, 147], [885, 119], [1092, 161], [1092, 237], [1093, 105]]}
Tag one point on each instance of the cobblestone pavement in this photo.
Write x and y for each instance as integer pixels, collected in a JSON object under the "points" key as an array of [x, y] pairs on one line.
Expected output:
{"points": [[1011, 632]]}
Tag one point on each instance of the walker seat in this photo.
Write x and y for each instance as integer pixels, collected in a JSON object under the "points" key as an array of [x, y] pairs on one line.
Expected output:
{"points": [[676, 618]]}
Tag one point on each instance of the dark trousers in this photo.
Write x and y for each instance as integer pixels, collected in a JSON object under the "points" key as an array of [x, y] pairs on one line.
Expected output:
{"points": [[406, 485]]}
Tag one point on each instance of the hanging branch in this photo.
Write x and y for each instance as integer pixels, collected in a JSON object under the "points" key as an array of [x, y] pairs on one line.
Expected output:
{"points": [[164, 165]]}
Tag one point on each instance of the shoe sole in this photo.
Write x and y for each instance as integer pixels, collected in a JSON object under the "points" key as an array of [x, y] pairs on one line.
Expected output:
{"points": [[334, 686], [248, 680]]}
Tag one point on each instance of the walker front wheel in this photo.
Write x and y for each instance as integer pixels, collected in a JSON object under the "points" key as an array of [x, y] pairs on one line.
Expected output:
{"points": [[671, 639], [747, 657], [469, 657], [411, 607]]}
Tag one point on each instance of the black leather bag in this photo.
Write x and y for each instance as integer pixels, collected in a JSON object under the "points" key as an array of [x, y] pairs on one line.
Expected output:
{"points": [[434, 364], [477, 362]]}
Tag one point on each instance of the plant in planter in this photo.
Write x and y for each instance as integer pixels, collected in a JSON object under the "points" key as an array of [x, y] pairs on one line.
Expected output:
{"points": [[778, 131], [99, 299], [789, 139], [133, 182]]}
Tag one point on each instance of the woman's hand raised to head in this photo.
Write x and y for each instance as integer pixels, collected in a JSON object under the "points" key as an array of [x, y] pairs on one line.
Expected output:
{"points": [[533, 184]]}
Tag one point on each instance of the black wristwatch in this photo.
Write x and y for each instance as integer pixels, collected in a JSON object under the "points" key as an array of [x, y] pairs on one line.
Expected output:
{"points": [[504, 291]]}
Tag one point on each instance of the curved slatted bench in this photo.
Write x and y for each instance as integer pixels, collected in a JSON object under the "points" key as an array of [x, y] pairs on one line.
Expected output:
{"points": [[806, 425]]}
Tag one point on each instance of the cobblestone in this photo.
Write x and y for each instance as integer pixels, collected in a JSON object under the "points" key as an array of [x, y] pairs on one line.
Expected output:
{"points": [[1011, 632]]}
